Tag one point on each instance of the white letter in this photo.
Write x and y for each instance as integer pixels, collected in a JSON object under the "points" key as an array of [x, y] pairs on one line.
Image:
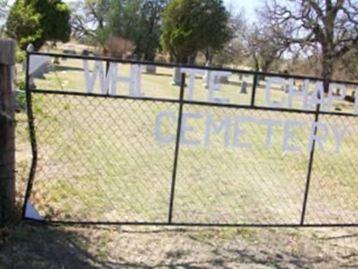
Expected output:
{"points": [[238, 132], [270, 124], [107, 82], [185, 128], [215, 86], [268, 101], [320, 137], [292, 92], [316, 97], [112, 71], [134, 80], [158, 122], [91, 80], [192, 73], [224, 124], [288, 134], [338, 136]]}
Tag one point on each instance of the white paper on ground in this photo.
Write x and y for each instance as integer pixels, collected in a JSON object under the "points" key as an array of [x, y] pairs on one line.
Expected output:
{"points": [[31, 212]]}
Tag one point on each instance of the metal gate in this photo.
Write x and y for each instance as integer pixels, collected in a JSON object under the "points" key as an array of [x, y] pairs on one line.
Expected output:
{"points": [[115, 143]]}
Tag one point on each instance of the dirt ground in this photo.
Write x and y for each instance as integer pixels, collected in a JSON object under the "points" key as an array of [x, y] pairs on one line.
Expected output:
{"points": [[36, 246]]}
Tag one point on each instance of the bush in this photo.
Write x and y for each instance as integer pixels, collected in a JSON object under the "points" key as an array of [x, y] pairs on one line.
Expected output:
{"points": [[20, 100], [119, 47], [20, 55], [23, 24], [36, 22]]}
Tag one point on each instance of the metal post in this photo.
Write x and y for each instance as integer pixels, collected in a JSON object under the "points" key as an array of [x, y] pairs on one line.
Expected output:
{"points": [[254, 86], [31, 124], [107, 70], [310, 164], [177, 144]]}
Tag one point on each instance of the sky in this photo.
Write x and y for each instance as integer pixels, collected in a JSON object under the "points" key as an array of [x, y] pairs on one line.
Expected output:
{"points": [[248, 5]]}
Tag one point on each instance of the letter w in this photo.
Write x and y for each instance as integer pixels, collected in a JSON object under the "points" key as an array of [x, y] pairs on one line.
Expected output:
{"points": [[104, 79]]}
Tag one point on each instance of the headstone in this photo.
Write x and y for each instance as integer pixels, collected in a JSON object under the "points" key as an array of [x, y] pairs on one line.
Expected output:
{"points": [[150, 69], [287, 88], [243, 87], [39, 65], [338, 92], [85, 52], [176, 77], [30, 48], [69, 51], [224, 80], [56, 60], [206, 79]]}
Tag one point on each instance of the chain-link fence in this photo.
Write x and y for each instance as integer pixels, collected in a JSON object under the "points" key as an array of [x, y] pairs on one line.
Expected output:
{"points": [[166, 155]]}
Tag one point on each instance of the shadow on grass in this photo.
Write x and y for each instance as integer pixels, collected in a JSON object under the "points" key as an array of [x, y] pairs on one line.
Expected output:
{"points": [[60, 68], [158, 74], [36, 246]]}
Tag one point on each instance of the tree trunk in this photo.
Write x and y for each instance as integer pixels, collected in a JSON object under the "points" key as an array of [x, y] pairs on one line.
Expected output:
{"points": [[150, 57], [327, 68], [7, 131]]}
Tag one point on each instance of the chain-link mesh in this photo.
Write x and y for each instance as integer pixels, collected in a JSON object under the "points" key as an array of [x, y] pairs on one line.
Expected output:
{"points": [[99, 161], [333, 194], [254, 183]]}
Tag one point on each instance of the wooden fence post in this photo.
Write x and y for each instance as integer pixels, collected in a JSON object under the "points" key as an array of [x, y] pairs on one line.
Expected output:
{"points": [[7, 131]]}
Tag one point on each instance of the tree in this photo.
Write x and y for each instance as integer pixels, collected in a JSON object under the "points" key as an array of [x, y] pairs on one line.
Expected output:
{"points": [[97, 10], [131, 21], [23, 24], [38, 21], [89, 16], [262, 48], [233, 50], [54, 19], [139, 22], [89, 19], [151, 24], [190, 26], [330, 27], [348, 65]]}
